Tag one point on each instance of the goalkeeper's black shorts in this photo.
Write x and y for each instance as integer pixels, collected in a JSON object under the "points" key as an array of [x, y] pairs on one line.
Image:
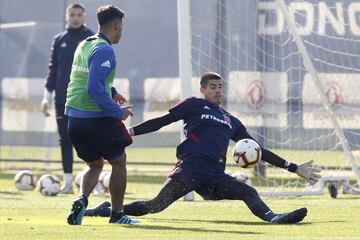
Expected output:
{"points": [[207, 179]]}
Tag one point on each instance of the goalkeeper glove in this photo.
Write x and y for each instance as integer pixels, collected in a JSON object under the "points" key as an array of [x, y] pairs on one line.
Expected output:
{"points": [[46, 102], [308, 172]]}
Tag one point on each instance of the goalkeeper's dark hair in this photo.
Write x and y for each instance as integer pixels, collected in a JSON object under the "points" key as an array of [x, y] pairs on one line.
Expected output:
{"points": [[75, 5], [206, 77], [107, 13]]}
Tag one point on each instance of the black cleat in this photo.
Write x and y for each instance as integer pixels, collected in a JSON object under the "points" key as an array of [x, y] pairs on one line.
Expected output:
{"points": [[291, 217], [77, 212], [101, 210]]}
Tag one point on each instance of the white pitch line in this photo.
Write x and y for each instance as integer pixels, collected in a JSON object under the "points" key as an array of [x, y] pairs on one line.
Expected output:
{"points": [[17, 25]]}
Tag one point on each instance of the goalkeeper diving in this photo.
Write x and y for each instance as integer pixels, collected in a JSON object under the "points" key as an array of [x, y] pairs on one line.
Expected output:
{"points": [[202, 157]]}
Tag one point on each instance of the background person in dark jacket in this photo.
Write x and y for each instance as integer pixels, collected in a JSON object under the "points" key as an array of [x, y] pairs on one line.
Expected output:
{"points": [[62, 53]]}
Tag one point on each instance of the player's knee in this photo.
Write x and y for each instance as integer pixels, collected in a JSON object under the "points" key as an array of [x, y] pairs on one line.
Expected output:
{"points": [[96, 165], [118, 162], [251, 192]]}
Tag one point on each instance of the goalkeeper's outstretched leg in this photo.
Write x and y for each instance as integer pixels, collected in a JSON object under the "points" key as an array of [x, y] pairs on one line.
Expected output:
{"points": [[227, 188], [231, 189]]}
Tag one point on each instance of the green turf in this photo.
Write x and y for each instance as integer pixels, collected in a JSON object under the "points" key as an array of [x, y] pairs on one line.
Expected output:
{"points": [[29, 215]]}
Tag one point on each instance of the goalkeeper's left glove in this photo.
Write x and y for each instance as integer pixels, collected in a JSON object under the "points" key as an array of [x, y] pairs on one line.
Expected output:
{"points": [[308, 172], [131, 131]]}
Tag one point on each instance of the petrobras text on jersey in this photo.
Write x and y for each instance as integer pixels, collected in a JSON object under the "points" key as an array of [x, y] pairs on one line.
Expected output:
{"points": [[208, 116], [318, 17]]}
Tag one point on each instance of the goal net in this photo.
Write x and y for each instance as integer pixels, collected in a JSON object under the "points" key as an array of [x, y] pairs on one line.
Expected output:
{"points": [[292, 77]]}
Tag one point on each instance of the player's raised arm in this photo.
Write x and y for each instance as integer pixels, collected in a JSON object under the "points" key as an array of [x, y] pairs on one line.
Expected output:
{"points": [[152, 125], [180, 111]]}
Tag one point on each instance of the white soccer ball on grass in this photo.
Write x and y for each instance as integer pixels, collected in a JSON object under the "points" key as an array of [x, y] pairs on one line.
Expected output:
{"points": [[242, 177], [78, 179], [106, 181], [100, 188], [49, 185], [102, 176], [25, 180]]}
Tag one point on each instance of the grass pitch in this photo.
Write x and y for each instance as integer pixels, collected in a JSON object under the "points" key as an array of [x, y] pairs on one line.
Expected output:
{"points": [[29, 215]]}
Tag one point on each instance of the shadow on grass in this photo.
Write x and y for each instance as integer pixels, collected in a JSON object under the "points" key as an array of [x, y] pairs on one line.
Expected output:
{"points": [[222, 222], [11, 193], [202, 230], [4, 175], [330, 221], [354, 197]]}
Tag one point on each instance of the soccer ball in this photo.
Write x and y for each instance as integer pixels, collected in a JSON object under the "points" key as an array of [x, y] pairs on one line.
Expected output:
{"points": [[49, 185], [106, 181], [102, 180], [242, 177], [78, 179], [246, 153], [98, 189], [25, 180]]}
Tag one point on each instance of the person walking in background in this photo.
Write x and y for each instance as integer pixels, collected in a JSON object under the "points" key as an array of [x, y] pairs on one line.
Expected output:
{"points": [[95, 115], [62, 52]]}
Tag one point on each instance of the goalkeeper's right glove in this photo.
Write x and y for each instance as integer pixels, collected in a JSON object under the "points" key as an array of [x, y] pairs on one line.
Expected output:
{"points": [[46, 102]]}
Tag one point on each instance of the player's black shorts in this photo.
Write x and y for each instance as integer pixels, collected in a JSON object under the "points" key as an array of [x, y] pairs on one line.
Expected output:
{"points": [[208, 179], [196, 171], [94, 138]]}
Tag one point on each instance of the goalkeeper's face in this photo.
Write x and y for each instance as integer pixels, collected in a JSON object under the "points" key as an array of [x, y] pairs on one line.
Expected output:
{"points": [[213, 91]]}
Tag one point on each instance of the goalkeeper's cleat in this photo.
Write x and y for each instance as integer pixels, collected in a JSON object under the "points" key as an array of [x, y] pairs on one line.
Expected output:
{"points": [[121, 218], [101, 210], [66, 189], [291, 217], [77, 211]]}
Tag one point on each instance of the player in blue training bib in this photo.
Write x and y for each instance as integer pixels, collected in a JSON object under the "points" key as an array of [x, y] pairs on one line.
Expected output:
{"points": [[202, 156]]}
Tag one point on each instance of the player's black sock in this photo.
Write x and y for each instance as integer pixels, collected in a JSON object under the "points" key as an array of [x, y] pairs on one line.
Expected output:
{"points": [[101, 210], [269, 216], [84, 199], [232, 189], [259, 208]]}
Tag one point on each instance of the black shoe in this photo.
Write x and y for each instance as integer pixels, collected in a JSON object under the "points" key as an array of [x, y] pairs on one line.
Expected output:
{"points": [[77, 211], [291, 217], [101, 210]]}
